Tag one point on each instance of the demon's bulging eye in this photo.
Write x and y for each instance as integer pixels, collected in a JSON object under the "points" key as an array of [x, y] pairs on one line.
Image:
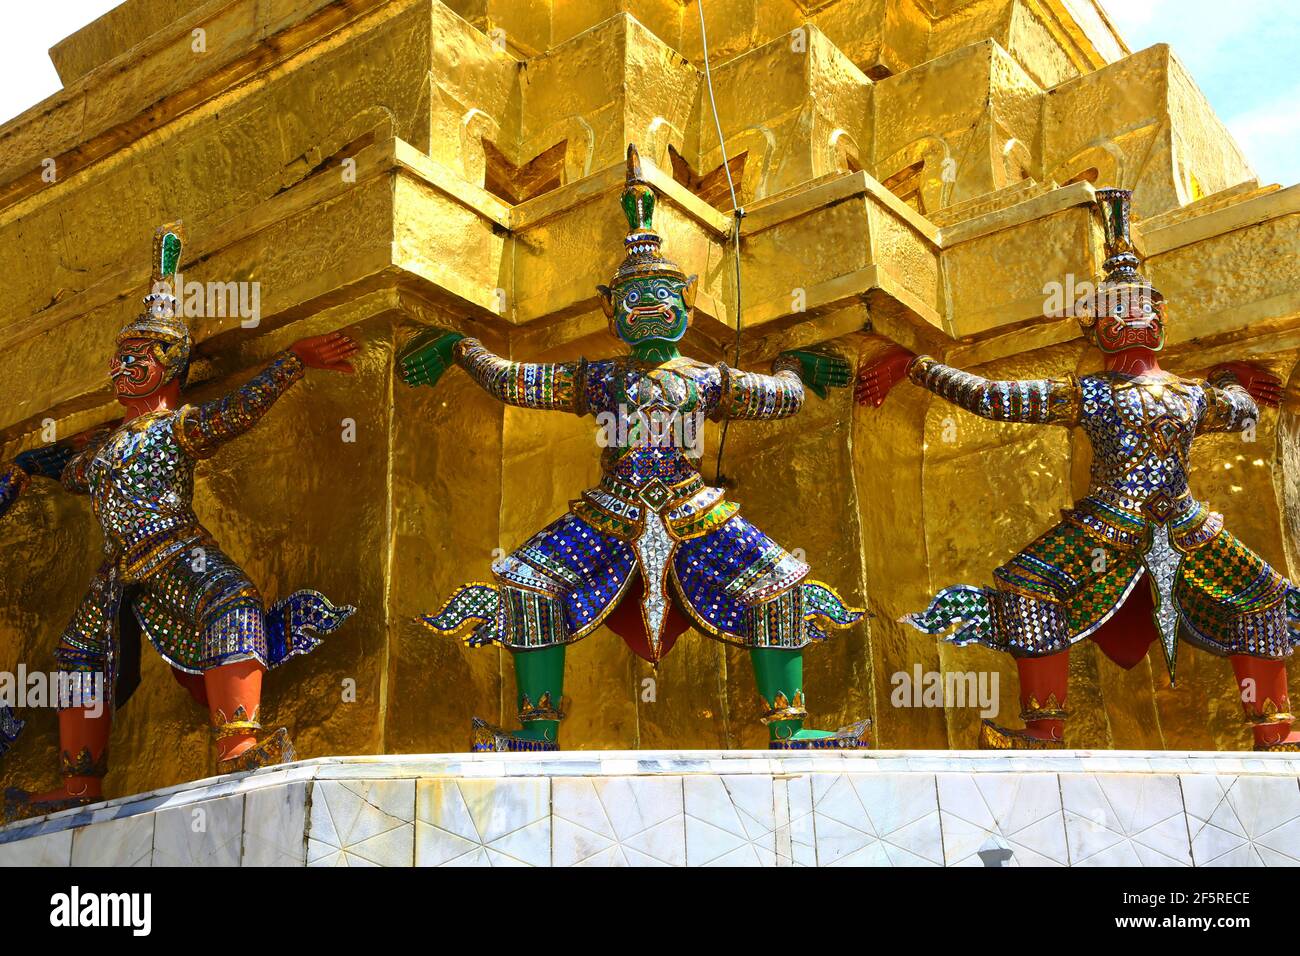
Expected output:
{"points": [[633, 297], [1147, 309], [1119, 309], [663, 292]]}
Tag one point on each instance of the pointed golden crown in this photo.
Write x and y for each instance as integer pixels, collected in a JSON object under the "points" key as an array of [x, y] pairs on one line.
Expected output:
{"points": [[160, 321], [642, 256], [1122, 266]]}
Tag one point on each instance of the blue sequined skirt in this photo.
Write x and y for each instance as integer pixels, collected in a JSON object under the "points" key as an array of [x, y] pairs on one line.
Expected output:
{"points": [[733, 582]]}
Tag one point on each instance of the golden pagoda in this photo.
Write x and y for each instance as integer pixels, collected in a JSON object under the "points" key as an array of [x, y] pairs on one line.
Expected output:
{"points": [[920, 171]]}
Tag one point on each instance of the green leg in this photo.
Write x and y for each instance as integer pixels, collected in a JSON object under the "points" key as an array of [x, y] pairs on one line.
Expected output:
{"points": [[538, 674], [776, 672]]}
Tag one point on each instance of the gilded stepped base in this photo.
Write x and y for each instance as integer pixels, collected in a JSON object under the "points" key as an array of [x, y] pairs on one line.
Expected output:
{"points": [[694, 808]]}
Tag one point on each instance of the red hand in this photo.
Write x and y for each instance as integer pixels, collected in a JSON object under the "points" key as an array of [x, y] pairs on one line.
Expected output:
{"points": [[876, 376], [330, 352], [1264, 387]]}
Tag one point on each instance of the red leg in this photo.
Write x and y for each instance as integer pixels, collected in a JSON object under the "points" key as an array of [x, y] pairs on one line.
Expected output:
{"points": [[1044, 682], [83, 742], [1264, 697], [233, 688]]}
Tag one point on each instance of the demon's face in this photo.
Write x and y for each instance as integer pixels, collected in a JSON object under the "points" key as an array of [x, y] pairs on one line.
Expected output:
{"points": [[138, 369], [1126, 317], [642, 308]]}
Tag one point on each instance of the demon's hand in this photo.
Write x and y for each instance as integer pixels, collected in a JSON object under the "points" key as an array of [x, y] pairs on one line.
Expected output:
{"points": [[47, 462], [330, 352], [877, 375], [1264, 387], [427, 356], [821, 371]]}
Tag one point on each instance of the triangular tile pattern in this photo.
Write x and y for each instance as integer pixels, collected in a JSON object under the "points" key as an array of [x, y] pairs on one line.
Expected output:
{"points": [[1238, 812], [1023, 810], [619, 821], [487, 822], [208, 833], [1125, 819], [362, 823], [730, 820], [877, 819], [1243, 821]]}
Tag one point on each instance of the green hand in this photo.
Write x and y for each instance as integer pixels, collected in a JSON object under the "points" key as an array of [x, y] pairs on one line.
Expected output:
{"points": [[822, 371], [427, 356]]}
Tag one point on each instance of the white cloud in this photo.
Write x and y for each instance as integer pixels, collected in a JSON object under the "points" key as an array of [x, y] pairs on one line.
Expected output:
{"points": [[1132, 15], [1241, 54], [1189, 23]]}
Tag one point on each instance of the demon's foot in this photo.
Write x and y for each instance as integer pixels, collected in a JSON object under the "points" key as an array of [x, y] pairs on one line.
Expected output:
{"points": [[489, 738], [275, 749], [1288, 744], [993, 737], [855, 736], [20, 804]]}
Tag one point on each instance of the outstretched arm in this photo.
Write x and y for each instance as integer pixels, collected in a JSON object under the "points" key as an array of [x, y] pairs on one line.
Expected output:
{"points": [[1050, 401], [754, 396], [201, 429], [556, 386], [1047, 401], [1231, 394], [552, 386]]}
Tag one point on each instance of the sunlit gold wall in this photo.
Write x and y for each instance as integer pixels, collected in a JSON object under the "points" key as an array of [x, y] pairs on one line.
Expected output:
{"points": [[915, 171]]}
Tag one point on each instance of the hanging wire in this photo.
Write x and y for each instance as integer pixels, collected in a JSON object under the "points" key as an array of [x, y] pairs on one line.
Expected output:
{"points": [[737, 214]]}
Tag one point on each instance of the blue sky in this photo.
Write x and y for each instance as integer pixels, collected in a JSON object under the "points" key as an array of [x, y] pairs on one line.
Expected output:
{"points": [[1244, 54], [1245, 57]]}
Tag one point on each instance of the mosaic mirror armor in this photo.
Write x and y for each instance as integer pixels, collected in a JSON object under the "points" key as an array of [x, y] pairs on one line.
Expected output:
{"points": [[1137, 558], [164, 577], [653, 549]]}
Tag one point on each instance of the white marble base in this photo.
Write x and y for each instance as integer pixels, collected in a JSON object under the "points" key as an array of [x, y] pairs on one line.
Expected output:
{"points": [[700, 808]]}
